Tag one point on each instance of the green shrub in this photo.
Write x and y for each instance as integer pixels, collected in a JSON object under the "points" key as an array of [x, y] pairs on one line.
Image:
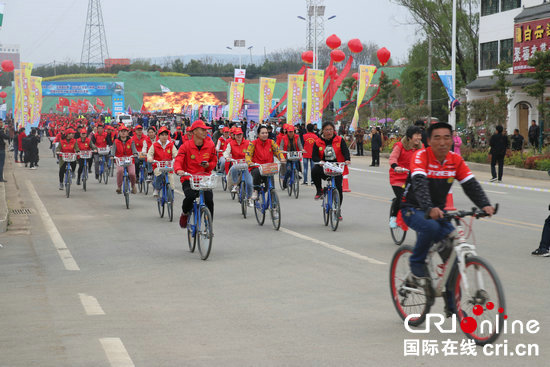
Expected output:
{"points": [[516, 159], [542, 164]]}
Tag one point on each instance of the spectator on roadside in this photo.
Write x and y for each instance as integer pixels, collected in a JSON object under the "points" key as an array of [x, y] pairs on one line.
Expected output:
{"points": [[534, 133], [517, 141], [31, 152], [457, 142], [544, 246], [359, 136], [3, 136], [376, 145], [20, 136], [498, 144]]}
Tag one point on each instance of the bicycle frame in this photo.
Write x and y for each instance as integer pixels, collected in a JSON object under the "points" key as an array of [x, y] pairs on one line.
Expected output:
{"points": [[165, 184], [68, 173], [328, 193], [196, 212], [266, 195]]}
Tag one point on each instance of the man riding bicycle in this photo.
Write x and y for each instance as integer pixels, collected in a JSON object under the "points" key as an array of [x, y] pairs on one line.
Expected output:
{"points": [[123, 146], [66, 145], [84, 144], [161, 150], [290, 143], [101, 139], [433, 171]]}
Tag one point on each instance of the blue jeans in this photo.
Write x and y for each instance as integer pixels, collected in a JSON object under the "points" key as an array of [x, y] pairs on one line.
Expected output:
{"points": [[428, 231], [236, 177], [308, 163], [157, 182]]}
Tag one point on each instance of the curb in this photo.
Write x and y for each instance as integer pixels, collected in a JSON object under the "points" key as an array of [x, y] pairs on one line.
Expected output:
{"points": [[3, 198]]}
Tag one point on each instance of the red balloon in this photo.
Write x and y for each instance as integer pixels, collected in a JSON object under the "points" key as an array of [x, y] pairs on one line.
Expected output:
{"points": [[383, 55], [3, 94], [307, 57], [355, 76], [7, 66], [337, 55], [333, 42], [355, 45]]}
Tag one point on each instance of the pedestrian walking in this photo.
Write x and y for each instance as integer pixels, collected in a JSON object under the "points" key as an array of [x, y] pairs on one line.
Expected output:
{"points": [[498, 144], [3, 136], [20, 137], [359, 136], [534, 133], [31, 152], [517, 141], [457, 142], [376, 145]]}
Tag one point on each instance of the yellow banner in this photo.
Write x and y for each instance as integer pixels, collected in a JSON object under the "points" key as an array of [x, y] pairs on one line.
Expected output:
{"points": [[315, 85], [365, 78], [236, 97], [18, 107], [294, 104], [267, 87], [27, 97], [36, 92]]}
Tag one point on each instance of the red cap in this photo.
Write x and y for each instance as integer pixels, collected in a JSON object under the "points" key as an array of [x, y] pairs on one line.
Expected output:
{"points": [[178, 128], [226, 129], [164, 129], [290, 128], [188, 129], [123, 128], [83, 131], [138, 127], [285, 126], [199, 124], [237, 131], [69, 131]]}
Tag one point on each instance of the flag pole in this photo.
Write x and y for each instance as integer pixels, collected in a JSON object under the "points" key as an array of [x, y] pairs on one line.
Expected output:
{"points": [[452, 117]]}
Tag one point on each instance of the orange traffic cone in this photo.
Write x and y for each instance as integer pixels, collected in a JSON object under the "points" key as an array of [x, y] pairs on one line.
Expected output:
{"points": [[449, 205], [345, 184]]}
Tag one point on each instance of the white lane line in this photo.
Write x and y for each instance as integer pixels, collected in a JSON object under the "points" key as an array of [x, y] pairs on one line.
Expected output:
{"points": [[59, 243], [537, 189], [497, 192], [91, 305], [332, 247], [365, 170], [116, 353]]}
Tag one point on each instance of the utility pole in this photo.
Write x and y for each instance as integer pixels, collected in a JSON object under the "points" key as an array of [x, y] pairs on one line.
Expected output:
{"points": [[429, 80], [452, 117]]}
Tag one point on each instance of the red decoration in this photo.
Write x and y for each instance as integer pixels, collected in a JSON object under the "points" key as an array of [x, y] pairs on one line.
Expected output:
{"points": [[307, 57], [333, 42], [383, 55], [337, 55], [355, 76], [396, 83], [3, 94], [355, 45], [7, 66]]}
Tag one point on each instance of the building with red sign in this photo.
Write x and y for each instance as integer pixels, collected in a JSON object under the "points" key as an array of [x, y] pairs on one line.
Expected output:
{"points": [[110, 62], [511, 31]]}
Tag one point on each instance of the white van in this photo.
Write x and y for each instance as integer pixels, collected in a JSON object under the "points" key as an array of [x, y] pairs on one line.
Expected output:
{"points": [[126, 119]]}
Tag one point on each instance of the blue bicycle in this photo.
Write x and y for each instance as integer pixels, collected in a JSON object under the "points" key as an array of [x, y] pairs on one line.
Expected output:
{"points": [[68, 158], [242, 167], [85, 154], [166, 193], [331, 195], [199, 224], [125, 162], [103, 164], [293, 182], [141, 177], [267, 196]]}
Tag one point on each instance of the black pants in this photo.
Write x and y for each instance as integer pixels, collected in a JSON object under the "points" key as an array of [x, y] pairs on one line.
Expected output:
{"points": [[191, 195], [545, 238], [62, 168], [534, 142], [398, 191], [497, 158], [360, 148], [81, 166], [257, 178], [375, 157], [317, 175]]}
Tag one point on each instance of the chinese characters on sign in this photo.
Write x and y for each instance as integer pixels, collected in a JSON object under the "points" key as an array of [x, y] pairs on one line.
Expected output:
{"points": [[416, 347], [294, 105], [529, 37], [315, 96]]}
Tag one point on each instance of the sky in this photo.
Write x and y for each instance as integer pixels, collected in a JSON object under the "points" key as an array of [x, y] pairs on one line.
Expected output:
{"points": [[49, 30]]}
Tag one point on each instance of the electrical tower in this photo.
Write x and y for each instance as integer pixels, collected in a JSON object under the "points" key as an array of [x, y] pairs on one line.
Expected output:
{"points": [[315, 22], [94, 46]]}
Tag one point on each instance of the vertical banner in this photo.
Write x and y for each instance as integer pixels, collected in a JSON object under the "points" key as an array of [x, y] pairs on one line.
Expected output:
{"points": [[240, 74], [36, 90], [446, 77], [294, 104], [365, 78], [314, 114], [267, 87], [236, 96], [18, 103], [26, 103]]}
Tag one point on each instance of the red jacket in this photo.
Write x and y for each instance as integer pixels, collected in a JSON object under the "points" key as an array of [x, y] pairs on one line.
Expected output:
{"points": [[139, 142], [189, 158], [67, 146], [163, 154], [263, 151], [20, 140], [279, 138], [403, 160], [286, 142], [309, 141], [101, 139], [124, 149], [237, 150], [336, 145], [84, 145]]}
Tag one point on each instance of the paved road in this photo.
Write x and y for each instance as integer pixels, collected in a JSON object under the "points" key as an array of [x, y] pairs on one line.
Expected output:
{"points": [[85, 282]]}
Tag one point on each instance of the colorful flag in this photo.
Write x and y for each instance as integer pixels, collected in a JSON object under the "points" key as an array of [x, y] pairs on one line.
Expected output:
{"points": [[164, 89], [36, 99], [143, 109], [59, 107], [314, 113], [365, 78], [267, 87], [294, 104], [130, 110], [2, 5], [18, 106], [63, 101], [99, 102], [236, 97], [446, 77]]}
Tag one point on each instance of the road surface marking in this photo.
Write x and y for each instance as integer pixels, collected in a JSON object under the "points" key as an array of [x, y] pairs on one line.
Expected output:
{"points": [[365, 170], [520, 222], [497, 192], [332, 247], [515, 186], [494, 221], [59, 243], [116, 353], [91, 305]]}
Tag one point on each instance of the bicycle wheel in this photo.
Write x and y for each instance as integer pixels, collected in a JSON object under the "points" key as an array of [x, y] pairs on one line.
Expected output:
{"points": [[141, 181], [289, 186], [224, 183], [112, 167], [191, 236], [483, 287], [84, 177], [170, 202], [335, 210], [126, 187], [296, 184], [160, 205], [259, 208], [242, 198], [325, 205], [68, 184], [275, 210], [281, 179], [146, 187], [106, 175], [407, 295], [397, 234], [205, 235], [233, 194]]}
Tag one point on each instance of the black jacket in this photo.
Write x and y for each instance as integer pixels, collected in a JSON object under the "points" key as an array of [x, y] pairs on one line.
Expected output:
{"points": [[376, 142], [3, 136], [498, 144]]}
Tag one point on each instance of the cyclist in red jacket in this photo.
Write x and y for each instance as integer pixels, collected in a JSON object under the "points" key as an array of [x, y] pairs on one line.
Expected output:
{"points": [[309, 142], [84, 144]]}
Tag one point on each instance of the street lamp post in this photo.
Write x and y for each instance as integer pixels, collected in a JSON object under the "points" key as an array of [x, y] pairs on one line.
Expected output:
{"points": [[315, 12], [250, 49]]}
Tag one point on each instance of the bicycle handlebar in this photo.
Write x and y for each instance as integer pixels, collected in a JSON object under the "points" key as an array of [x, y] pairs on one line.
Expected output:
{"points": [[475, 212]]}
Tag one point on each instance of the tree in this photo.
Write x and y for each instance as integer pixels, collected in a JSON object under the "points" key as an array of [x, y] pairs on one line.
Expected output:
{"points": [[503, 86], [387, 93], [541, 63]]}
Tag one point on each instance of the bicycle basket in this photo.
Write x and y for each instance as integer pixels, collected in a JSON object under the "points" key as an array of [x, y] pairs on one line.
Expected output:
{"points": [[333, 169], [85, 154], [269, 169], [165, 166], [294, 156], [124, 161], [203, 182], [68, 157], [240, 165], [103, 151]]}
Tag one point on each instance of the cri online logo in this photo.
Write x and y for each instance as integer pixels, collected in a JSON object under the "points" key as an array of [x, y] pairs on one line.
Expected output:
{"points": [[469, 324]]}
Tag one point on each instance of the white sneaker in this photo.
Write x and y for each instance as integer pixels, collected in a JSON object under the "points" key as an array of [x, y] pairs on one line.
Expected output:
{"points": [[155, 193], [250, 203], [234, 188], [393, 222], [254, 195]]}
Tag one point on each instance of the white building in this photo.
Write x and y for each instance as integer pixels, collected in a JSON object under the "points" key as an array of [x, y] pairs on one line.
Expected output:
{"points": [[511, 31]]}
